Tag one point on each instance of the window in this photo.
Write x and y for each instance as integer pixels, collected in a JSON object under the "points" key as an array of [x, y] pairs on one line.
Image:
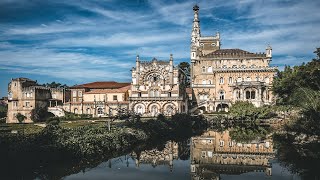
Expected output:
{"points": [[209, 82], [221, 143], [238, 94], [243, 66], [203, 69], [203, 154], [247, 94], [221, 95], [239, 79], [54, 96], [27, 104], [203, 81], [230, 143], [221, 80], [115, 97], [234, 66], [100, 111], [230, 80], [28, 94], [75, 111], [139, 94], [169, 94], [209, 69], [15, 84], [257, 78], [266, 79], [248, 78], [156, 93], [224, 66], [74, 100], [15, 104], [74, 93], [253, 94], [213, 44], [80, 93], [80, 99], [88, 111], [151, 93]]}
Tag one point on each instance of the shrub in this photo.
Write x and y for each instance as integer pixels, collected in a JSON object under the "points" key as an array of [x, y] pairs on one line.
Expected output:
{"points": [[40, 114]]}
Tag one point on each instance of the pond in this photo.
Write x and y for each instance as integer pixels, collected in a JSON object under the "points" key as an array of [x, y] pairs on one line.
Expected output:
{"points": [[213, 155], [241, 152]]}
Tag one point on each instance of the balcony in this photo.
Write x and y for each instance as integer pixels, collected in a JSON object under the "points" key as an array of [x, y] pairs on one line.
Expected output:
{"points": [[203, 85], [155, 98]]}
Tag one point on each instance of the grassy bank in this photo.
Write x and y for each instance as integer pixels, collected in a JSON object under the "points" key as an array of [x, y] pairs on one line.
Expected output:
{"points": [[34, 154]]}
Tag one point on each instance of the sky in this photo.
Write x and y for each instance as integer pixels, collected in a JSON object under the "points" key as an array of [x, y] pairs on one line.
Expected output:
{"points": [[78, 41]]}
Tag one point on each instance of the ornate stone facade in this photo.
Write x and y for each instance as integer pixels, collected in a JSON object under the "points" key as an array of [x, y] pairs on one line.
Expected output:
{"points": [[222, 76], [157, 87], [25, 94]]}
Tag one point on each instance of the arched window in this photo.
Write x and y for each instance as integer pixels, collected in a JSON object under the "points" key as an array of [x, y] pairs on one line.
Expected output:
{"points": [[139, 94], [257, 78], [140, 109], [221, 95], [253, 94], [204, 81], [88, 111], [247, 94], [209, 69], [151, 93], [75, 111], [100, 111], [239, 79], [248, 78], [238, 95], [221, 80], [209, 81], [230, 80], [234, 66], [156, 93], [224, 66], [243, 66], [203, 69]]}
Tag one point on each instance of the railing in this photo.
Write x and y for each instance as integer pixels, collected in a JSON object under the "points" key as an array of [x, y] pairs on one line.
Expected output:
{"points": [[203, 85], [155, 98]]}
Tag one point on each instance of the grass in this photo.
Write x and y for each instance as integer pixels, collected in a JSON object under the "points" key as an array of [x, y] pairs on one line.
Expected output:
{"points": [[20, 128]]}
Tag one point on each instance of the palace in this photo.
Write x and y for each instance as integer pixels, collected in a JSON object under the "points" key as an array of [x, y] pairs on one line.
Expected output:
{"points": [[157, 87], [222, 76], [219, 77]]}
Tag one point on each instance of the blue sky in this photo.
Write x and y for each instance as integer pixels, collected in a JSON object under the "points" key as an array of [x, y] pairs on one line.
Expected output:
{"points": [[78, 41]]}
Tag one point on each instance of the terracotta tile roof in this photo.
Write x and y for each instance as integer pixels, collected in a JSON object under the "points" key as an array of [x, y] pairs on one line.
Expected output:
{"points": [[101, 85], [232, 52], [104, 91]]}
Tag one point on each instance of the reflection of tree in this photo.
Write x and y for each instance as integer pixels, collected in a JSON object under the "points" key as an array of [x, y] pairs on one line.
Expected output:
{"points": [[301, 158]]}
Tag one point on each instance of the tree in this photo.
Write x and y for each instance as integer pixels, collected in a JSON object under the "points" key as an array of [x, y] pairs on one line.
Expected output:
{"points": [[3, 111], [20, 117], [185, 67], [40, 114], [55, 85]]}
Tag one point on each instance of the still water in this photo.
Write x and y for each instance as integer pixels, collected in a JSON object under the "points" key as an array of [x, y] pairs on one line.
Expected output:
{"points": [[212, 155]]}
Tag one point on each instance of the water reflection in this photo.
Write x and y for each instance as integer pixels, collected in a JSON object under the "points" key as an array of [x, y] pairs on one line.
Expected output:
{"points": [[158, 157], [215, 153]]}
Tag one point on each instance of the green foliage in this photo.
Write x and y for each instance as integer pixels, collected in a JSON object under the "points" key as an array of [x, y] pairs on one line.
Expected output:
{"points": [[20, 117], [3, 111], [40, 114], [248, 132], [161, 117], [289, 82], [55, 85]]}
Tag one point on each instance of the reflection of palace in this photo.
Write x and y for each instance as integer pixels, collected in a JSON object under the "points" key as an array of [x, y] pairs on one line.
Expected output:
{"points": [[156, 157], [215, 153]]}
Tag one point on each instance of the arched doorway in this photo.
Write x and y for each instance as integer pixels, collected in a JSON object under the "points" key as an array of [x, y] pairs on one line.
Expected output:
{"points": [[222, 108]]}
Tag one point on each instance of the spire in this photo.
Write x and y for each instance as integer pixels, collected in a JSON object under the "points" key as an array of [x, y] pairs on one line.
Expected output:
{"points": [[195, 35]]}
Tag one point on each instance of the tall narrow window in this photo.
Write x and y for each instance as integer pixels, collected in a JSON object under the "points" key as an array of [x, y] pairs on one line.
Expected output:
{"points": [[221, 80], [203, 69], [115, 97], [203, 81], [253, 94], [169, 94], [247, 94], [221, 95], [230, 80], [139, 94], [209, 69]]}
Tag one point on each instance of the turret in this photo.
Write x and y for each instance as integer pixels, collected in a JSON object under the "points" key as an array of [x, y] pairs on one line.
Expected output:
{"points": [[269, 51], [137, 64]]}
